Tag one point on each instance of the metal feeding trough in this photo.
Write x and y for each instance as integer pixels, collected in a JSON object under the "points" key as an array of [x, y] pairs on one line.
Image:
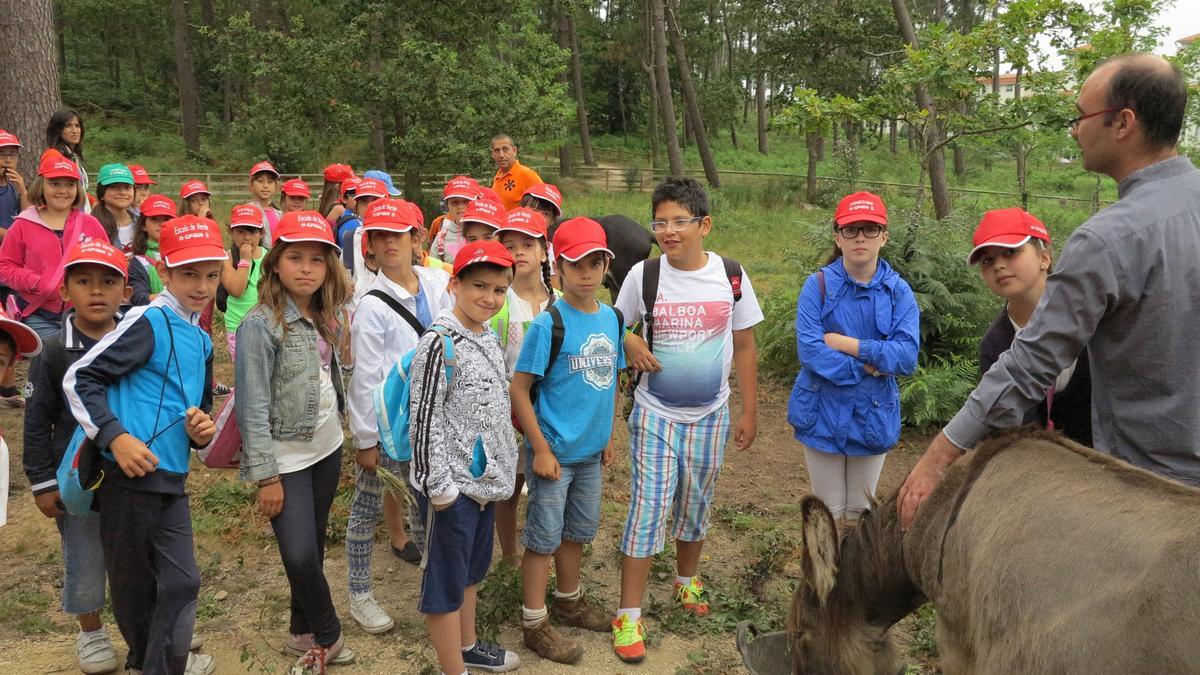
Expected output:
{"points": [[764, 653]]}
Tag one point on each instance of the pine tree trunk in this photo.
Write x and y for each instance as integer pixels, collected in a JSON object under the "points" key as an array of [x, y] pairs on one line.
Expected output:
{"points": [[647, 66], [666, 106], [760, 97], [566, 165], [691, 103], [29, 75], [581, 113], [892, 136], [185, 72], [935, 159]]}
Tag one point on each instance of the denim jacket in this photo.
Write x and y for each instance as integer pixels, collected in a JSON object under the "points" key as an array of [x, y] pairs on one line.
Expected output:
{"points": [[278, 385]]}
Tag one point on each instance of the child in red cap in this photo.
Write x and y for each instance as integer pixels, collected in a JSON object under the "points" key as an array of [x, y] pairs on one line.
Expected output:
{"points": [[141, 184], [330, 204], [457, 195], [295, 195], [142, 396], [156, 210], [16, 340], [243, 270], [12, 183], [1012, 249], [94, 283], [196, 199], [264, 184], [463, 457]]}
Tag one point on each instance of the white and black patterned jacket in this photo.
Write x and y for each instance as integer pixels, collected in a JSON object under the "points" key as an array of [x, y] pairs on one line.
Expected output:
{"points": [[444, 430]]}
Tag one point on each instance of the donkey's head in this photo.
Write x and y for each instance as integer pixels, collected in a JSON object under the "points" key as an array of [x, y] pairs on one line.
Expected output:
{"points": [[828, 625]]}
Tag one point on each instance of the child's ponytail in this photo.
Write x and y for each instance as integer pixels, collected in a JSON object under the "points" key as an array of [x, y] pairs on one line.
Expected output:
{"points": [[546, 267]]}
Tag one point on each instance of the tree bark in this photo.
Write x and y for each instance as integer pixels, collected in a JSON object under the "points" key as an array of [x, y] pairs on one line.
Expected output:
{"points": [[566, 165], [892, 136], [29, 75], [647, 66], [185, 72], [581, 113], [760, 95], [377, 141], [811, 141], [666, 107], [1020, 149], [936, 159]]}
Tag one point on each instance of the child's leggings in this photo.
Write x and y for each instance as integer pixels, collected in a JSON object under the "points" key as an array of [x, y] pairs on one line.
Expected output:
{"points": [[365, 512], [846, 484]]}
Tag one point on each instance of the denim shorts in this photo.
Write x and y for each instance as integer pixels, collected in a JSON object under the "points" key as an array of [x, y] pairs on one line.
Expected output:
{"points": [[458, 551], [567, 508], [83, 563]]}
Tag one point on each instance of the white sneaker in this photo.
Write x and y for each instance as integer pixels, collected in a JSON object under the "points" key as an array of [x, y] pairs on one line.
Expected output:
{"points": [[369, 615], [197, 642], [200, 664], [95, 652]]}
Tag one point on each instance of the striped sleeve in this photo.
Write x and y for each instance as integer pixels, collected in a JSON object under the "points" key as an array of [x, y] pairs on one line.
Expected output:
{"points": [[86, 384], [427, 423]]}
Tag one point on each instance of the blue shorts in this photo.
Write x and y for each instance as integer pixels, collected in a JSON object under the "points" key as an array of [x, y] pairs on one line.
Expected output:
{"points": [[83, 563], [564, 509], [458, 549]]}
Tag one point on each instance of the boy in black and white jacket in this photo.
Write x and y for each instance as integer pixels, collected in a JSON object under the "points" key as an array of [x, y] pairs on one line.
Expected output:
{"points": [[464, 456]]}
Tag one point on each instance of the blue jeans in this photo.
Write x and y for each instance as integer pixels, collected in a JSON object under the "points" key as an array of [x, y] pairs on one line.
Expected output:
{"points": [[83, 563], [43, 323], [567, 508]]}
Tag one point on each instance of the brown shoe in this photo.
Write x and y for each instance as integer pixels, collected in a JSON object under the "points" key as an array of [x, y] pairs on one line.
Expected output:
{"points": [[581, 613], [549, 644]]}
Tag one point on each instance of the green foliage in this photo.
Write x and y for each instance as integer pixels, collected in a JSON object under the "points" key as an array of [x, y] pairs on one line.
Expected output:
{"points": [[500, 600], [938, 388], [925, 633]]}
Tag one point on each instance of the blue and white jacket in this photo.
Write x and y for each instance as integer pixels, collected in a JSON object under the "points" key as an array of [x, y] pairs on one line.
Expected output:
{"points": [[141, 379], [835, 405]]}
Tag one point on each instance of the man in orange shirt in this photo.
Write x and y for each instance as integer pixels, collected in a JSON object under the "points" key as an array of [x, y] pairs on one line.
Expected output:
{"points": [[512, 178]]}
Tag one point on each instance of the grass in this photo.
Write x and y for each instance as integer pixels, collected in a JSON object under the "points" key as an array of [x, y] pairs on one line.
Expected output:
{"points": [[23, 609]]}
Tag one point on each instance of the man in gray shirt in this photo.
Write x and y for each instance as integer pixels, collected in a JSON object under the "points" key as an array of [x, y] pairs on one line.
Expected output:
{"points": [[1127, 287]]}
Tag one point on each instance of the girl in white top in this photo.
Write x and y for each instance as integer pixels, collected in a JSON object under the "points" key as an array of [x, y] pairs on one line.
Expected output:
{"points": [[524, 235]]}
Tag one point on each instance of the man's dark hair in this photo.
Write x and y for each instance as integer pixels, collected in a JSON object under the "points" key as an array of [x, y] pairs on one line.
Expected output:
{"points": [[1156, 93], [687, 192], [479, 268]]}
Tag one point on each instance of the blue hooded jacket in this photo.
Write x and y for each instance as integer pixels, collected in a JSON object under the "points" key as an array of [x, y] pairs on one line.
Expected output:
{"points": [[835, 406]]}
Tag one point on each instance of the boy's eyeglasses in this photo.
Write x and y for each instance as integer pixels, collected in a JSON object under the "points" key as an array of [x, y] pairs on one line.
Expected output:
{"points": [[868, 231], [1073, 125], [674, 225]]}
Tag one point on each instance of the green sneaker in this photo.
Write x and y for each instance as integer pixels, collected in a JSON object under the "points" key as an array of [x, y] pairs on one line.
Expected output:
{"points": [[629, 639], [693, 597]]}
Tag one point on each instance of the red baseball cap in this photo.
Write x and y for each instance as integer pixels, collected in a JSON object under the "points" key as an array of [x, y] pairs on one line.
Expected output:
{"points": [[246, 215], [28, 342], [486, 251], [389, 215], [297, 226], [861, 207], [263, 166], [190, 239], [8, 140], [296, 188], [1007, 228], [486, 192], [159, 205], [97, 252], [338, 173], [193, 187], [371, 187], [55, 165], [578, 237], [351, 184], [486, 212], [140, 175], [526, 221], [547, 192], [418, 214], [461, 187]]}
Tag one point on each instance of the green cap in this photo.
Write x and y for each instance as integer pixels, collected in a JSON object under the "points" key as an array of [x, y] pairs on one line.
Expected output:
{"points": [[111, 174]]}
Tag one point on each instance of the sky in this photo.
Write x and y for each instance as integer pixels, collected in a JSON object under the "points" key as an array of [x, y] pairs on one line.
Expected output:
{"points": [[1181, 20]]}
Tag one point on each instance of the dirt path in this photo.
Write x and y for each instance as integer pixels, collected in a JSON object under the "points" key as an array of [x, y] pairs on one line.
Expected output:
{"points": [[243, 604]]}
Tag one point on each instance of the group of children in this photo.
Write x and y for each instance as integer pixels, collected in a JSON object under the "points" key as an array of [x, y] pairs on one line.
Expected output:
{"points": [[515, 373]]}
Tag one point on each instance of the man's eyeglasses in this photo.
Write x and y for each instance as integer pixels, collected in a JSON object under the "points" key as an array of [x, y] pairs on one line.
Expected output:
{"points": [[674, 225], [1073, 125], [868, 231]]}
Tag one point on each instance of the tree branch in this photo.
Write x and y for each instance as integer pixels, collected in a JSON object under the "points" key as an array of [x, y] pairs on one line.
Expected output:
{"points": [[977, 132]]}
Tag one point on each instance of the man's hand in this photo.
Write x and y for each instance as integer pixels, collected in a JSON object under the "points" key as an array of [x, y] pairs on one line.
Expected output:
{"points": [[200, 427], [49, 504], [132, 455], [545, 464], [638, 355], [924, 477], [367, 458], [270, 499], [744, 433]]}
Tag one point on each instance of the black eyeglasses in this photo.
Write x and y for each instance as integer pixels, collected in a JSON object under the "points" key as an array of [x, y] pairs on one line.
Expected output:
{"points": [[1073, 125], [868, 231]]}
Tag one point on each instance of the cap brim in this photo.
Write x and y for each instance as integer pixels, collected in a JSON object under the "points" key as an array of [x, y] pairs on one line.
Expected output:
{"points": [[528, 233], [579, 251], [469, 198], [59, 174], [862, 218], [120, 181], [370, 194], [159, 214], [1002, 240], [195, 254], [256, 224], [399, 228], [315, 240], [494, 226], [197, 192], [297, 194], [394, 192], [11, 145], [105, 263], [28, 342]]}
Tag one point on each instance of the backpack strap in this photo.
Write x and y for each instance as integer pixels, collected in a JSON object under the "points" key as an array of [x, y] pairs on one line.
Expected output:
{"points": [[449, 360], [651, 271], [620, 324], [821, 283], [558, 333], [733, 270], [398, 308]]}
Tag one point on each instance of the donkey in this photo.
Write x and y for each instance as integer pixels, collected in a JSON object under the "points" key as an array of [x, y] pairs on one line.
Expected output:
{"points": [[1040, 555]]}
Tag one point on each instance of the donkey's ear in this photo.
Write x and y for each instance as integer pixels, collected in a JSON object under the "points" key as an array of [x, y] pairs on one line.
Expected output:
{"points": [[819, 539]]}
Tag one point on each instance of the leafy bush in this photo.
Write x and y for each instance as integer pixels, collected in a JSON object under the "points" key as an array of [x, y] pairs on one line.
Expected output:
{"points": [[937, 389]]}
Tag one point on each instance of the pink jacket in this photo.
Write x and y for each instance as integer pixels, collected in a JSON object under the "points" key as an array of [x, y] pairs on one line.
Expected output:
{"points": [[32, 256]]}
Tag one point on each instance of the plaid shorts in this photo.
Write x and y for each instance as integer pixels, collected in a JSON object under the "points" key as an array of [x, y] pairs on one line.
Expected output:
{"points": [[674, 469]]}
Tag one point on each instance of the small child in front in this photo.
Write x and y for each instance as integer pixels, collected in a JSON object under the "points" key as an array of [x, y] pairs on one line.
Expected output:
{"points": [[464, 456], [568, 430], [142, 395]]}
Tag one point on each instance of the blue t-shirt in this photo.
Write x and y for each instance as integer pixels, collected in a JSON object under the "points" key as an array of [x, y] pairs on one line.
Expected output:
{"points": [[10, 205], [576, 398]]}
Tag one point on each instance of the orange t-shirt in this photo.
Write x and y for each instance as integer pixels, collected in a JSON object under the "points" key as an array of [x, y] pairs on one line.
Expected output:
{"points": [[434, 228], [512, 184]]}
